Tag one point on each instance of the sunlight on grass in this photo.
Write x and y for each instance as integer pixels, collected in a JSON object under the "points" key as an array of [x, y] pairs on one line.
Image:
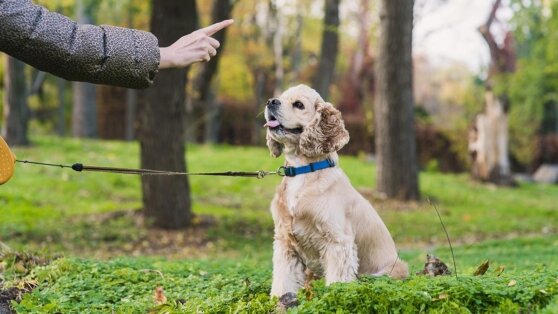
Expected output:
{"points": [[48, 203]]}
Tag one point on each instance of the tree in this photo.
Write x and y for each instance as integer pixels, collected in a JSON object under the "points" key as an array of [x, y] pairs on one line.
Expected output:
{"points": [[257, 56], [203, 99], [84, 114], [16, 112], [117, 105], [394, 121], [161, 114], [296, 54], [488, 139], [533, 118], [60, 108], [358, 82], [275, 31], [330, 46]]}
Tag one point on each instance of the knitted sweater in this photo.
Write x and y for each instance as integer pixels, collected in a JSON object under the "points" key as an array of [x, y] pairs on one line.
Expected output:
{"points": [[98, 54]]}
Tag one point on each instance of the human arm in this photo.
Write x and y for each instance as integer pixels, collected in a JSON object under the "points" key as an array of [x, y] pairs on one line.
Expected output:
{"points": [[102, 54], [98, 54]]}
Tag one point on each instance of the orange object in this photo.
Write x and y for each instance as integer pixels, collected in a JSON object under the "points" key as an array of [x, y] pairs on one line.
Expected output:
{"points": [[159, 296], [7, 162]]}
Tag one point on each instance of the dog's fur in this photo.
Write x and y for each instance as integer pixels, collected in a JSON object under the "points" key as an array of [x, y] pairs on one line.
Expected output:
{"points": [[322, 224]]}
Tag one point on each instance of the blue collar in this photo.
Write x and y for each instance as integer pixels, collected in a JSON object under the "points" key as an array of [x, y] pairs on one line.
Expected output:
{"points": [[315, 166]]}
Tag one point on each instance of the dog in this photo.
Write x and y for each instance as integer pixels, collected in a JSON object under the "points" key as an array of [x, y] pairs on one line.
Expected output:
{"points": [[322, 224]]}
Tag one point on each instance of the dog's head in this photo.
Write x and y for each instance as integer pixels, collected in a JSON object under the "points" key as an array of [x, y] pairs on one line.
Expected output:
{"points": [[301, 119]]}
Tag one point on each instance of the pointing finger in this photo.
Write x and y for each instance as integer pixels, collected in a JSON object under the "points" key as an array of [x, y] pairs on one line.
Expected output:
{"points": [[212, 29]]}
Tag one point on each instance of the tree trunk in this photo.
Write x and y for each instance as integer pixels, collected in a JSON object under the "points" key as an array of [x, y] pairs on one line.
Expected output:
{"points": [[330, 46], [16, 112], [203, 99], [488, 144], [131, 94], [260, 80], [61, 108], [358, 82], [276, 29], [84, 114], [395, 135], [131, 105], [488, 139], [162, 112], [296, 56], [112, 112]]}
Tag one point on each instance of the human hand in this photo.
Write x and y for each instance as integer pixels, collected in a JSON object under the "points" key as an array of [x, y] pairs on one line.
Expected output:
{"points": [[194, 47]]}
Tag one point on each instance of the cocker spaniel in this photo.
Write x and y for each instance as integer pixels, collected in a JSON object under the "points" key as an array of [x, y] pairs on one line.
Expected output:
{"points": [[322, 224]]}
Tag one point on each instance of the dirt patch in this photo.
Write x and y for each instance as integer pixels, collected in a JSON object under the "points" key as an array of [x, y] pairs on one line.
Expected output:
{"points": [[13, 294], [125, 233], [381, 202], [6, 296], [19, 265]]}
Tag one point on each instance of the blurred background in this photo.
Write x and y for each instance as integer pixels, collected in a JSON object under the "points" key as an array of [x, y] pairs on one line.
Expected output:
{"points": [[482, 99], [275, 44], [448, 102]]}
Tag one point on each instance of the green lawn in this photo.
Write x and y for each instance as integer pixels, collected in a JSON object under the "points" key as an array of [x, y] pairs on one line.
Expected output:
{"points": [[112, 263]]}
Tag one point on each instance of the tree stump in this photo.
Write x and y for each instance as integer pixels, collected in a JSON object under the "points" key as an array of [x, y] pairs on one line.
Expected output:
{"points": [[488, 143]]}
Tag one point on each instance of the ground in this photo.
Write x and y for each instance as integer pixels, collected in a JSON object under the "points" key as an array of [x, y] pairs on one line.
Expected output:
{"points": [[87, 229]]}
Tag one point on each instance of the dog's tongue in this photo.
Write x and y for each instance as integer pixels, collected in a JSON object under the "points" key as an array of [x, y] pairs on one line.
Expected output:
{"points": [[272, 124]]}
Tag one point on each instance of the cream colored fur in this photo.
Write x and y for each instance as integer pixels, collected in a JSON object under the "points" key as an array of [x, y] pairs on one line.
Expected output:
{"points": [[322, 224]]}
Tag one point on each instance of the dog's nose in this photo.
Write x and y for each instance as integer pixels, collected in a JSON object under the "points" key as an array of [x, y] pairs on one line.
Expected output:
{"points": [[273, 103]]}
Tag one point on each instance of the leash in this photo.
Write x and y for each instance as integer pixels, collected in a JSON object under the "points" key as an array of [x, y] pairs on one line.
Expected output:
{"points": [[8, 160], [260, 174], [81, 167]]}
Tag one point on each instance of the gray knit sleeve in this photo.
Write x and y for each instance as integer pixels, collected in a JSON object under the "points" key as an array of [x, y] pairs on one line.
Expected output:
{"points": [[98, 54]]}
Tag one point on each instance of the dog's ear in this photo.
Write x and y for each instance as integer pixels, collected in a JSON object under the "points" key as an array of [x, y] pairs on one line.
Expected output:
{"points": [[275, 148], [325, 134]]}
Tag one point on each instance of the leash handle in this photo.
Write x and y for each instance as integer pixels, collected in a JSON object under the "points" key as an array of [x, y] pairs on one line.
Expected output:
{"points": [[7, 162]]}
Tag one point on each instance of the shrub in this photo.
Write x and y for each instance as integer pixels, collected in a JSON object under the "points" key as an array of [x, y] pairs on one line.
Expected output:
{"points": [[225, 287]]}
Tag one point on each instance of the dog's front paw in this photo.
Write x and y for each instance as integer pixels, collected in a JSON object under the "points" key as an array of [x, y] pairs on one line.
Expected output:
{"points": [[288, 300]]}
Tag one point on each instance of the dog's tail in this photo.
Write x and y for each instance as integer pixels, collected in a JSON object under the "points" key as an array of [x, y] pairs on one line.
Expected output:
{"points": [[399, 270]]}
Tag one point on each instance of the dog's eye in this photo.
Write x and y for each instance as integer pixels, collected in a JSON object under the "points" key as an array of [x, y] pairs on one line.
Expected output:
{"points": [[298, 105]]}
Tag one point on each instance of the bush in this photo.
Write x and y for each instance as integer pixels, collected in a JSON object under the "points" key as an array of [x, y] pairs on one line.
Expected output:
{"points": [[547, 150], [466, 294]]}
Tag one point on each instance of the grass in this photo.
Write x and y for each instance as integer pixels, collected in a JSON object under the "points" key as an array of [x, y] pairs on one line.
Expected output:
{"points": [[126, 285], [112, 263]]}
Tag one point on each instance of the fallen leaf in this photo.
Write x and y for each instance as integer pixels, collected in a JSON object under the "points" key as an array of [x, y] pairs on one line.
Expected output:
{"points": [[20, 268], [159, 296], [500, 270], [512, 283], [308, 292], [482, 268], [434, 267], [441, 296], [27, 285]]}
